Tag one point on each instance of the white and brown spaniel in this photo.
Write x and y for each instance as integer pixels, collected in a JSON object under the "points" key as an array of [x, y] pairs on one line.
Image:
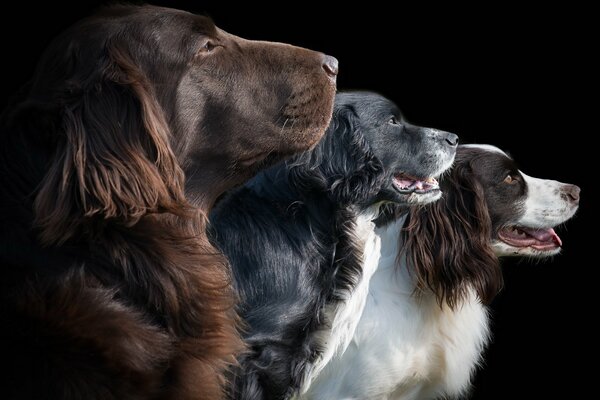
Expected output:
{"points": [[425, 323]]}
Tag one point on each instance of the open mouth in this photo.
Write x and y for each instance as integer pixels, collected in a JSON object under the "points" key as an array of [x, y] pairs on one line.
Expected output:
{"points": [[409, 184], [539, 239]]}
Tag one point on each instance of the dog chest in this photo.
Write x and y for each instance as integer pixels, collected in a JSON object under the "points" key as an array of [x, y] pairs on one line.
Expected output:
{"points": [[405, 347], [343, 317]]}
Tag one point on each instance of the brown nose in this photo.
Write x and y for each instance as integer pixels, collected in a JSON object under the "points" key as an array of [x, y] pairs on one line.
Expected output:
{"points": [[571, 192], [330, 65]]}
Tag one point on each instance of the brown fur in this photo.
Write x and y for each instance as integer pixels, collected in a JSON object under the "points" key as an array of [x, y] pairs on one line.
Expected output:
{"points": [[435, 244], [111, 289]]}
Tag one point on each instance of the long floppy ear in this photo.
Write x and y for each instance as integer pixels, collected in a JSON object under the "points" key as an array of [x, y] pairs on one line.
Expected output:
{"points": [[112, 161], [449, 242], [342, 163]]}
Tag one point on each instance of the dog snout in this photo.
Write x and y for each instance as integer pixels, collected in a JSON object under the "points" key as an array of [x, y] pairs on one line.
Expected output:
{"points": [[571, 193], [445, 138], [330, 65]]}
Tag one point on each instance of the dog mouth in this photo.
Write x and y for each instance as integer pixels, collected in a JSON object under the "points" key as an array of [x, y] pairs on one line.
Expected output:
{"points": [[541, 239], [407, 184]]}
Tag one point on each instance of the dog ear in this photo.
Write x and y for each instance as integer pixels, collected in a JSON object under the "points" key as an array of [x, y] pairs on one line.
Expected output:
{"points": [[112, 160], [342, 163], [449, 242]]}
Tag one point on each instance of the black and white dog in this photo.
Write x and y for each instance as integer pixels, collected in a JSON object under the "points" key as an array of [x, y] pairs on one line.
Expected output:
{"points": [[424, 325], [300, 238]]}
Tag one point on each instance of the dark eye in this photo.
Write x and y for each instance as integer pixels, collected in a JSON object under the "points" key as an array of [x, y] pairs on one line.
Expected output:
{"points": [[393, 120], [511, 179], [207, 47]]}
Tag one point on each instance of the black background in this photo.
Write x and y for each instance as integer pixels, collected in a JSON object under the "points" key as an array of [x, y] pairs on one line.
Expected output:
{"points": [[524, 80]]}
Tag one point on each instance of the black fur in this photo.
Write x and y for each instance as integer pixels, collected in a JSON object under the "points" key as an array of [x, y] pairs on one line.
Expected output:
{"points": [[290, 233]]}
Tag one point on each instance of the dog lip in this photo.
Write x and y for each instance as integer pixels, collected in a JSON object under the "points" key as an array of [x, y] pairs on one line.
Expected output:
{"points": [[537, 238], [405, 183], [417, 191]]}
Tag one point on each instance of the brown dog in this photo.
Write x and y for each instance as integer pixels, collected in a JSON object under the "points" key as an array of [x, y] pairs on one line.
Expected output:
{"points": [[109, 287]]}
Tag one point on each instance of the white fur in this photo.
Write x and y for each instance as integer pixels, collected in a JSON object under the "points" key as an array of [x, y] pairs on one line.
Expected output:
{"points": [[344, 317], [544, 207], [405, 347]]}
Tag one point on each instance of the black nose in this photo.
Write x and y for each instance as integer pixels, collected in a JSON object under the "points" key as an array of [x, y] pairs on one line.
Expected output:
{"points": [[330, 65], [571, 192], [451, 139]]}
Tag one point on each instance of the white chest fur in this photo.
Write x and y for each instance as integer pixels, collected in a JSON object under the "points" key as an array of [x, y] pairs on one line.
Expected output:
{"points": [[344, 317], [405, 347]]}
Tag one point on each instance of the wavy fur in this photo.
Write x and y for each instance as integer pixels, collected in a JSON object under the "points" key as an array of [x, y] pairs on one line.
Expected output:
{"points": [[443, 261], [313, 238], [110, 288], [425, 326], [296, 236]]}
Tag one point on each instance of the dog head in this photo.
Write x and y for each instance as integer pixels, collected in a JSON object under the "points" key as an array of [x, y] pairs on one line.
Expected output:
{"points": [[133, 97], [490, 209], [523, 210], [371, 154]]}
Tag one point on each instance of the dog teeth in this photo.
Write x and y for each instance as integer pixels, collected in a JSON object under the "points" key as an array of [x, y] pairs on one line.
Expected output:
{"points": [[518, 232], [407, 183]]}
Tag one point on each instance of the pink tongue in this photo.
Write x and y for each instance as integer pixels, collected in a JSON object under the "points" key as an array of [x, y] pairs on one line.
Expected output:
{"points": [[543, 235], [411, 183], [405, 183]]}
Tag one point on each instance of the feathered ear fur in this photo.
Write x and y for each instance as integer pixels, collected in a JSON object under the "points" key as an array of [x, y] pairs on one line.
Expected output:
{"points": [[449, 242], [341, 164], [112, 160]]}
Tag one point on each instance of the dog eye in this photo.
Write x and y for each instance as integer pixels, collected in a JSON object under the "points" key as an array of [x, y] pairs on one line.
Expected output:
{"points": [[511, 180], [393, 121], [207, 47]]}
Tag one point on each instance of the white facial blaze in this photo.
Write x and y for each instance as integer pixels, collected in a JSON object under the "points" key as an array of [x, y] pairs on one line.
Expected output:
{"points": [[545, 205]]}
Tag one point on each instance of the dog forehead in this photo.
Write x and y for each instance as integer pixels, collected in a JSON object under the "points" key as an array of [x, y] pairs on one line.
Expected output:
{"points": [[153, 19], [488, 163], [486, 156], [485, 147], [364, 102]]}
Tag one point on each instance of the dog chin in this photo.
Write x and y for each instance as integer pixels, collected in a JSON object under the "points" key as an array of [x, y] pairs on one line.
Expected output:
{"points": [[502, 249], [415, 198], [409, 190], [519, 240], [422, 198]]}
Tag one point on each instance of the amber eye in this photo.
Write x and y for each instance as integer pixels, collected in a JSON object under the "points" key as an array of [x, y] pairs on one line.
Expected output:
{"points": [[511, 180]]}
